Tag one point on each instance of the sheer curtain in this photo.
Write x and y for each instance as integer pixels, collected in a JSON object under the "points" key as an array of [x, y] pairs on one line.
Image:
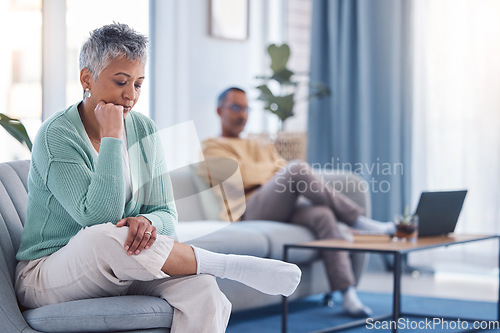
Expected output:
{"points": [[456, 140]]}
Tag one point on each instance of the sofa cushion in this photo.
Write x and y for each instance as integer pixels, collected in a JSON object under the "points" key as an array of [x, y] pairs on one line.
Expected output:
{"points": [[194, 198], [187, 231], [107, 314], [188, 195], [278, 234], [231, 239]]}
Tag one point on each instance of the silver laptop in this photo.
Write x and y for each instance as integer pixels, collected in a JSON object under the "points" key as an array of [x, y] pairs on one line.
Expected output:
{"points": [[438, 212]]}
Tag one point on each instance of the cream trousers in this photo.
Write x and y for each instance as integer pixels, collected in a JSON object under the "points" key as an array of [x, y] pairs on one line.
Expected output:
{"points": [[94, 264]]}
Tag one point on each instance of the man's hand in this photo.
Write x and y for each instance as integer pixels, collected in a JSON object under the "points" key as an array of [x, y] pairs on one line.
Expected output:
{"points": [[110, 119], [141, 234]]}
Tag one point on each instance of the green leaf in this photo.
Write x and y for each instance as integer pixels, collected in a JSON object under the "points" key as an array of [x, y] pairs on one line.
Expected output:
{"points": [[16, 129], [282, 106], [283, 103], [283, 76], [265, 93], [279, 56]]}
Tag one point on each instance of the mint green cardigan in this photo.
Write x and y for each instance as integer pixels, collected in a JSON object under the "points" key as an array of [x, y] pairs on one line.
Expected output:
{"points": [[71, 187]]}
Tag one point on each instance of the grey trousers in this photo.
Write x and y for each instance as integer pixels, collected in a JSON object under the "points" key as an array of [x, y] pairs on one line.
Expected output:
{"points": [[94, 264], [295, 195]]}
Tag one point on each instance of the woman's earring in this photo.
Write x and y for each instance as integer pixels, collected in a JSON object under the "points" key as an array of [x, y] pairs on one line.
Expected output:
{"points": [[87, 93]]}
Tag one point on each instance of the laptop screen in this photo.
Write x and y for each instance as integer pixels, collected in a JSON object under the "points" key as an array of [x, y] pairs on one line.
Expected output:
{"points": [[438, 212]]}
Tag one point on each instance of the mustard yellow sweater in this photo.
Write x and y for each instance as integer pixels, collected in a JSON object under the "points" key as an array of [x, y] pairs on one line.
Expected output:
{"points": [[258, 161]]}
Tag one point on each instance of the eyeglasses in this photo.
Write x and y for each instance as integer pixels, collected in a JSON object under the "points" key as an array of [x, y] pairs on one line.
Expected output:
{"points": [[238, 108]]}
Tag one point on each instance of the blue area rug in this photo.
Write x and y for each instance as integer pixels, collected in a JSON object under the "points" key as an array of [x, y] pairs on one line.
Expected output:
{"points": [[309, 314]]}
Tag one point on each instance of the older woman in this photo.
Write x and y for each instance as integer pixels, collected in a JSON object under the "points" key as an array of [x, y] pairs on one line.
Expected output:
{"points": [[100, 206]]}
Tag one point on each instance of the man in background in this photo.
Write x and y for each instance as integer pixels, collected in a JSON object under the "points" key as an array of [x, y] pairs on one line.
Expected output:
{"points": [[271, 193]]}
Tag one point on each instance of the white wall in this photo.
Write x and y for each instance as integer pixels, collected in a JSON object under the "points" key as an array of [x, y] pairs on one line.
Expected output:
{"points": [[192, 68]]}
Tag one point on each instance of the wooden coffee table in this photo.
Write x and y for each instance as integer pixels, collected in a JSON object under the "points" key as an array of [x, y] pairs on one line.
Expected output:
{"points": [[384, 244]]}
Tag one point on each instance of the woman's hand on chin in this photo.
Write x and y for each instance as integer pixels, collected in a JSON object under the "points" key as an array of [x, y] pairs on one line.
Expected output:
{"points": [[110, 119], [141, 234]]}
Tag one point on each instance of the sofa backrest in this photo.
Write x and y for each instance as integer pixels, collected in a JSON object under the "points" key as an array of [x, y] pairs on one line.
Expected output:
{"points": [[13, 203], [194, 199]]}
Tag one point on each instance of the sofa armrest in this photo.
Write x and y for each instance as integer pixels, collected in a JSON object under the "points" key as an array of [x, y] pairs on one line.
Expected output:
{"points": [[349, 184]]}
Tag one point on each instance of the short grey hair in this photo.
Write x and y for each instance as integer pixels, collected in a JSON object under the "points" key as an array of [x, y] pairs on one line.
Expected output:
{"points": [[109, 42]]}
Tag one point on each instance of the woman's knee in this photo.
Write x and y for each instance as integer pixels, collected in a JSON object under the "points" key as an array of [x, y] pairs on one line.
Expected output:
{"points": [[101, 236]]}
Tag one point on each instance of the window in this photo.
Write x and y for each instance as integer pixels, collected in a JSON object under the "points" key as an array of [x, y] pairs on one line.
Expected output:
{"points": [[456, 120], [21, 59], [21, 56]]}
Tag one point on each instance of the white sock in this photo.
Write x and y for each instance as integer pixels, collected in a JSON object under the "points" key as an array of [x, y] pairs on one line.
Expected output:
{"points": [[353, 305], [367, 224], [273, 277]]}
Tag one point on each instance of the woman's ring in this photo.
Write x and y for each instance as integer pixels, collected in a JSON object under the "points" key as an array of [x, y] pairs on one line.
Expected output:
{"points": [[148, 232]]}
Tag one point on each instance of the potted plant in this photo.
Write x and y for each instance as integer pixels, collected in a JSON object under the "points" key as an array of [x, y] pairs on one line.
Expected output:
{"points": [[15, 128], [278, 90], [406, 226], [278, 94]]}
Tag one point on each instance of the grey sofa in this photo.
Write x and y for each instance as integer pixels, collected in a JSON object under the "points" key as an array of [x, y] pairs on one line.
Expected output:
{"points": [[151, 314], [259, 238]]}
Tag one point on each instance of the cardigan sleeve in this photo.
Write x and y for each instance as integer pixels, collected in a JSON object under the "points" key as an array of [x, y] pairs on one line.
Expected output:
{"points": [[90, 196]]}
